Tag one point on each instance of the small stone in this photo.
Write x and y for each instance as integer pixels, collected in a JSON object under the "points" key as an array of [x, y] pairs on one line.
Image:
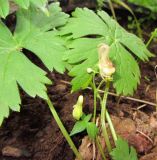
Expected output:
{"points": [[12, 152]]}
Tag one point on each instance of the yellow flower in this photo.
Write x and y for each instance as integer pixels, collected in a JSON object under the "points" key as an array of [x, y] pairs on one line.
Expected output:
{"points": [[77, 111]]}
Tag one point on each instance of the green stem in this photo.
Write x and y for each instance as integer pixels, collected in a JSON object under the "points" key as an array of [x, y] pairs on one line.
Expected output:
{"points": [[95, 97], [130, 10], [100, 4], [112, 9], [139, 30], [108, 118], [100, 84], [103, 113], [63, 130], [154, 34], [150, 40], [100, 149]]}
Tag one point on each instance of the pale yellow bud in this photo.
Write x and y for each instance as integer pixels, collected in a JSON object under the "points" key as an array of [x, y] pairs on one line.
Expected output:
{"points": [[77, 111], [105, 65], [89, 70]]}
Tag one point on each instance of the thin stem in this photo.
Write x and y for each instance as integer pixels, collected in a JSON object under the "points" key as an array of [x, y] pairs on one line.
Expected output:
{"points": [[95, 97], [63, 130], [114, 135], [131, 11], [139, 30], [100, 149], [100, 84], [153, 35], [100, 4], [150, 40], [103, 113], [112, 9]]}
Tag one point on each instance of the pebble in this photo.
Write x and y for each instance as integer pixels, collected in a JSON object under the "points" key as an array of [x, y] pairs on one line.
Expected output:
{"points": [[10, 151]]}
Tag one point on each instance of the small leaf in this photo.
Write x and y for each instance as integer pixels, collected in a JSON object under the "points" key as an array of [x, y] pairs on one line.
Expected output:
{"points": [[123, 151], [87, 118], [81, 125], [4, 8], [92, 130], [78, 127]]}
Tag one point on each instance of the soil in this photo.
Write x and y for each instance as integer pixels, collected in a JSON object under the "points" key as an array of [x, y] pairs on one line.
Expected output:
{"points": [[33, 133]]}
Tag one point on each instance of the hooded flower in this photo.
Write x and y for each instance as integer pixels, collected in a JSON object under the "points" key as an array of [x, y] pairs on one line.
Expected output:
{"points": [[106, 67]]}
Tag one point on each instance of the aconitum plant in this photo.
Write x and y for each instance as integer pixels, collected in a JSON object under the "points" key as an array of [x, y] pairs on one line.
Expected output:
{"points": [[99, 48]]}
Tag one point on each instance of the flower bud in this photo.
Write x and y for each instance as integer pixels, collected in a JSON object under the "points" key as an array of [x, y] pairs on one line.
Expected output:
{"points": [[89, 70], [106, 67], [77, 111]]}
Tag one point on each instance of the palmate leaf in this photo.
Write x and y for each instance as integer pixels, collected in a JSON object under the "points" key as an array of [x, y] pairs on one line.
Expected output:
{"points": [[4, 5], [33, 32], [83, 51]]}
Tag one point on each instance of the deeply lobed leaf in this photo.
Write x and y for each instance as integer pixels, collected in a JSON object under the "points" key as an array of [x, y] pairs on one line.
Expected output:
{"points": [[37, 33], [101, 28]]}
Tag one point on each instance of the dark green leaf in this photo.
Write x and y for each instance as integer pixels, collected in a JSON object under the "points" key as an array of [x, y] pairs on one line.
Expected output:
{"points": [[79, 126]]}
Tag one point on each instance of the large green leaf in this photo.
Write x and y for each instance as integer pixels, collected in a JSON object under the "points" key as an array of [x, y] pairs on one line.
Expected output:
{"points": [[33, 32], [101, 28], [37, 33]]}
